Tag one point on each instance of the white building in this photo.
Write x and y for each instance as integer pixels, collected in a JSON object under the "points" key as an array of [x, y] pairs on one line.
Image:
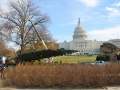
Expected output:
{"points": [[115, 42], [81, 43]]}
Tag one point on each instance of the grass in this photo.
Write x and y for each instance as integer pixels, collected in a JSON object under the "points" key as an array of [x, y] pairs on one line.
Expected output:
{"points": [[75, 59]]}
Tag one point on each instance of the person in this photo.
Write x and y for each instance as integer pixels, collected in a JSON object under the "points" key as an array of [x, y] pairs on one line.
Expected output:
{"points": [[23, 63], [45, 61], [52, 59]]}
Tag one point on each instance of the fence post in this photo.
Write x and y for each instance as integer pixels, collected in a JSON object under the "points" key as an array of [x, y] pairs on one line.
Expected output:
{"points": [[60, 62]]}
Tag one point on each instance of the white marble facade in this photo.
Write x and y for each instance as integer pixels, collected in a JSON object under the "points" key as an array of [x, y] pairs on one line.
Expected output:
{"points": [[82, 44], [115, 42]]}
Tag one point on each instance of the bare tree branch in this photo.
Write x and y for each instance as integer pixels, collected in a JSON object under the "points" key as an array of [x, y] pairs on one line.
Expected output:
{"points": [[19, 14]]}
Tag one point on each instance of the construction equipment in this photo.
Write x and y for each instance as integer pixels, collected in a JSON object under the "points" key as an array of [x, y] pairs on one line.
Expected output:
{"points": [[38, 34]]}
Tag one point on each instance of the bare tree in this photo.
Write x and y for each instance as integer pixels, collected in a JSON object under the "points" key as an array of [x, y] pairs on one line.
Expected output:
{"points": [[3, 48], [17, 21], [5, 35]]}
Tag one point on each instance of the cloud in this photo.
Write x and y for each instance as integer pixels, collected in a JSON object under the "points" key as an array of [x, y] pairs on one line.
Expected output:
{"points": [[90, 3], [116, 4], [3, 3], [105, 34], [113, 12]]}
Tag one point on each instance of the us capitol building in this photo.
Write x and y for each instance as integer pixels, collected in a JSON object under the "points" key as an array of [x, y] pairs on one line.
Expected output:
{"points": [[81, 43]]}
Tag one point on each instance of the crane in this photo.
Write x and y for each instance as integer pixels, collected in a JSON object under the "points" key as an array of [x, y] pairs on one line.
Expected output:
{"points": [[38, 34]]}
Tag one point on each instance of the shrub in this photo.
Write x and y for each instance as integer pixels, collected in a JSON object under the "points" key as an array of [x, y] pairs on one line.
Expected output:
{"points": [[65, 75], [103, 57]]}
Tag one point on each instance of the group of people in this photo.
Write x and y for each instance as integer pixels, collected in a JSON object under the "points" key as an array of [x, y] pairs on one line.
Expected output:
{"points": [[49, 60]]}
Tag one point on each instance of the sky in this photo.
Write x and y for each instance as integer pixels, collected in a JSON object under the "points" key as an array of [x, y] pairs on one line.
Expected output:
{"points": [[100, 18]]}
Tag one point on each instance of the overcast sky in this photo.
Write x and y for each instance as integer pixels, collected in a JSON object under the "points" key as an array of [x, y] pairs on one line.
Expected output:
{"points": [[100, 18]]}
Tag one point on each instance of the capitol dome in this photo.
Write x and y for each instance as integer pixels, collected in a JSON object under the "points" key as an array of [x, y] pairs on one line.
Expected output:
{"points": [[79, 32]]}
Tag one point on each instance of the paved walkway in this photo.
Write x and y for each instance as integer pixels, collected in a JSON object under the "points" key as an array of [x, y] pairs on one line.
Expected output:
{"points": [[107, 88], [113, 88]]}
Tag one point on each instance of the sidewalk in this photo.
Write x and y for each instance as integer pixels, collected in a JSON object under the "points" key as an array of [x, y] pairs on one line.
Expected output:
{"points": [[107, 88], [113, 88]]}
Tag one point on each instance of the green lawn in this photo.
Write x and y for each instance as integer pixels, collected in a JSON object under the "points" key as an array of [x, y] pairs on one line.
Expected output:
{"points": [[75, 59]]}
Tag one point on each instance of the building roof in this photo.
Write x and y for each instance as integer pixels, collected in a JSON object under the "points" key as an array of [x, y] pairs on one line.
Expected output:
{"points": [[79, 30]]}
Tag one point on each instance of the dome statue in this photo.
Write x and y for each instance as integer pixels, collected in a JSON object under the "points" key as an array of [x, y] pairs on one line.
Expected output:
{"points": [[79, 32]]}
